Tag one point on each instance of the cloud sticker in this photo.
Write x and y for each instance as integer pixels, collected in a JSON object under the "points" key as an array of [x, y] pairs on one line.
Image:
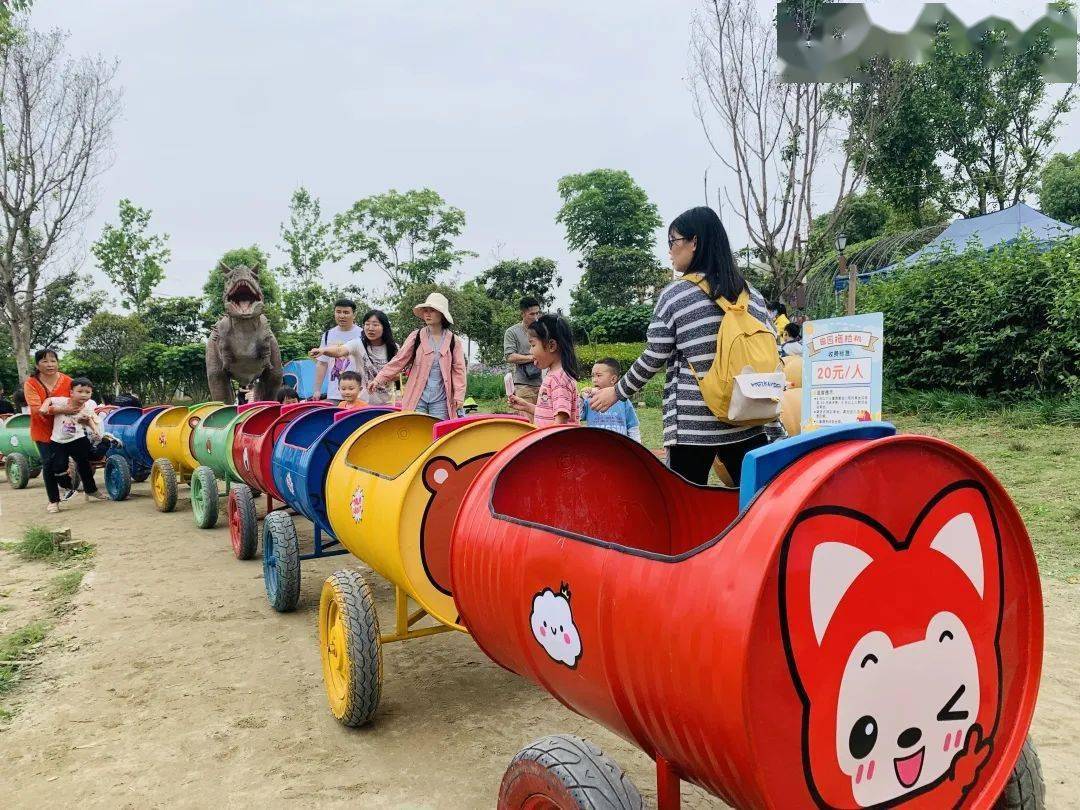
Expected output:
{"points": [[553, 626]]}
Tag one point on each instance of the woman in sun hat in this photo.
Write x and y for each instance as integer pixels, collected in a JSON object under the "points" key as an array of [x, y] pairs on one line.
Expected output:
{"points": [[436, 362]]}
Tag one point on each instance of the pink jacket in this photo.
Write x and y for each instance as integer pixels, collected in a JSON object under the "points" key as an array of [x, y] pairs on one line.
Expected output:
{"points": [[453, 369]]}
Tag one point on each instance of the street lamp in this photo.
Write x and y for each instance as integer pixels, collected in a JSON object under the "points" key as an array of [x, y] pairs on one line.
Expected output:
{"points": [[841, 243]]}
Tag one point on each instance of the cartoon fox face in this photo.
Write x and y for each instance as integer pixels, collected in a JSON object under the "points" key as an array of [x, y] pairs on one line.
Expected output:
{"points": [[893, 646]]}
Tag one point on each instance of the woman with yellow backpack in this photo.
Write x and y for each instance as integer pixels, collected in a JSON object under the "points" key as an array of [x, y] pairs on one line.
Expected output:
{"points": [[710, 328]]}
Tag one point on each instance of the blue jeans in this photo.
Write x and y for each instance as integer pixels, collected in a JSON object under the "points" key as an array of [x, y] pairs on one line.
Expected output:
{"points": [[436, 409]]}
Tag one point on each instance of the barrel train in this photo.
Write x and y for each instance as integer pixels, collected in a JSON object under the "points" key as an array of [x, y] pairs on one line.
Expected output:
{"points": [[857, 624]]}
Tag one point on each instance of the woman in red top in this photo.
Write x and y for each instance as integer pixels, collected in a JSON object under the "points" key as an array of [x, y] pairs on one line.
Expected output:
{"points": [[48, 381]]}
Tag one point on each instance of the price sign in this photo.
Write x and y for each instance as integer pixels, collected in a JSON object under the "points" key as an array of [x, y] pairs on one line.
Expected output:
{"points": [[842, 370]]}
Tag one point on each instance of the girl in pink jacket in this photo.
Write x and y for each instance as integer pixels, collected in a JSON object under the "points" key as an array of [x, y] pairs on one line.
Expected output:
{"points": [[435, 359]]}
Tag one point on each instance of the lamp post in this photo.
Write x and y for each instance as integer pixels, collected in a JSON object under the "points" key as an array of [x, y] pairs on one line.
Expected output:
{"points": [[841, 243]]}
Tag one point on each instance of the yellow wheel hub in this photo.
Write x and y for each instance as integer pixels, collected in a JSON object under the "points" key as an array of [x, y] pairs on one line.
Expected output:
{"points": [[333, 645], [158, 484]]}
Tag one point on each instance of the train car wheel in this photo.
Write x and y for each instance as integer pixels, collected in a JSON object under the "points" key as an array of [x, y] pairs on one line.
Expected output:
{"points": [[1025, 789], [281, 562], [243, 522], [18, 470], [566, 772], [117, 477], [204, 497], [163, 484], [350, 648]]}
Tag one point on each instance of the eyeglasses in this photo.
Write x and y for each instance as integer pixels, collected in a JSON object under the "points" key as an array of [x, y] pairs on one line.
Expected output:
{"points": [[671, 242]]}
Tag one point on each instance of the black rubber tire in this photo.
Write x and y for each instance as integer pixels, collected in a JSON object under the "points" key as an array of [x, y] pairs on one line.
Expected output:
{"points": [[204, 497], [168, 477], [35, 470], [1025, 789], [281, 562], [17, 467], [245, 536], [571, 773], [140, 475], [356, 608], [117, 477]]}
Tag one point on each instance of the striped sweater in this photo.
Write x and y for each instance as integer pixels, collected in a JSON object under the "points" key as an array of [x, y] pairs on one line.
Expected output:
{"points": [[684, 326]]}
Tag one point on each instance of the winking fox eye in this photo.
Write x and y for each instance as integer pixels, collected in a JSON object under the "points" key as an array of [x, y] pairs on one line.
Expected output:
{"points": [[947, 713]]}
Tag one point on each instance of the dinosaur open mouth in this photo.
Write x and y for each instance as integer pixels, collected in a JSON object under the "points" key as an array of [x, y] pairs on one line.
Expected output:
{"points": [[243, 298]]}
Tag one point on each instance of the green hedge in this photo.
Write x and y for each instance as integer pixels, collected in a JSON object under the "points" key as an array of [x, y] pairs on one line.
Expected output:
{"points": [[625, 353], [1005, 321]]}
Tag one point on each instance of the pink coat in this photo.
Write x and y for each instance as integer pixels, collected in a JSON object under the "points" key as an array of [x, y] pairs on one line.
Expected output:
{"points": [[453, 369]]}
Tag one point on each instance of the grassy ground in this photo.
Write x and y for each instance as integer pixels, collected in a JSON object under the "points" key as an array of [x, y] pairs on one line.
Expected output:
{"points": [[63, 573], [1033, 461]]}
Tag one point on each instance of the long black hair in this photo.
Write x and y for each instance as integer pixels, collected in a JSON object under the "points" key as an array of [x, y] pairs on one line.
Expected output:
{"points": [[555, 327], [387, 332], [713, 258], [39, 355]]}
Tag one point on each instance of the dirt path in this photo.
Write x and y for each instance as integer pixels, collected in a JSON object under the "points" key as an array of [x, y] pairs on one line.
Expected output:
{"points": [[172, 684]]}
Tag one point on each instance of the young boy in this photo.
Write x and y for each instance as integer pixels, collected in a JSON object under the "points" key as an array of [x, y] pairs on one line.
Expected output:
{"points": [[349, 384], [621, 417], [77, 433], [287, 395]]}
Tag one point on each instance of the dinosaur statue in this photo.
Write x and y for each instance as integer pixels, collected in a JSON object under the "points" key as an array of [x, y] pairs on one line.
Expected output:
{"points": [[241, 346]]}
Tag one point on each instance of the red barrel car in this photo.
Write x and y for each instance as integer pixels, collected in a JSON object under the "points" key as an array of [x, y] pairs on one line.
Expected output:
{"points": [[864, 630]]}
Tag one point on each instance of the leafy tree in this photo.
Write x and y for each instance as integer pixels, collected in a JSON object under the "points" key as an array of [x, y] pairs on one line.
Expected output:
{"points": [[308, 244], [409, 236], [130, 258], [57, 116], [174, 320], [512, 279], [8, 29], [863, 217], [109, 338], [214, 289], [619, 276], [959, 130], [605, 207], [1059, 194], [67, 303]]}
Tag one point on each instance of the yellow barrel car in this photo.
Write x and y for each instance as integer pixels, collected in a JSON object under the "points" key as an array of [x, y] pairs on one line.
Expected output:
{"points": [[168, 441], [393, 494]]}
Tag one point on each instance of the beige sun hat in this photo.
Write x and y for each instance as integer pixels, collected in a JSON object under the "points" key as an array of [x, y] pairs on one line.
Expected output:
{"points": [[437, 302]]}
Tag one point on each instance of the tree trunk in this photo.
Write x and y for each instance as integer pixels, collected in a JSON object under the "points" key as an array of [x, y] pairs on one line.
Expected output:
{"points": [[20, 344]]}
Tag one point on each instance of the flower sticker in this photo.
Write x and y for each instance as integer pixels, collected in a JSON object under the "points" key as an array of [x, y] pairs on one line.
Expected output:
{"points": [[161, 438], [289, 483], [247, 460], [14, 441], [356, 505]]}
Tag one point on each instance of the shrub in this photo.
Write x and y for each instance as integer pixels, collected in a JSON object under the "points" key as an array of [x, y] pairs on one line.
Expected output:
{"points": [[615, 324], [625, 353], [485, 386], [1004, 322]]}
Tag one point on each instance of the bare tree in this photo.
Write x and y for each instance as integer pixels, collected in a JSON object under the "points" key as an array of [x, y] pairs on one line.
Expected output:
{"points": [[56, 117], [778, 135]]}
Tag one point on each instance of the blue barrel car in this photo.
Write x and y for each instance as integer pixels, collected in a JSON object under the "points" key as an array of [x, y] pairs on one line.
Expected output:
{"points": [[300, 461], [128, 460]]}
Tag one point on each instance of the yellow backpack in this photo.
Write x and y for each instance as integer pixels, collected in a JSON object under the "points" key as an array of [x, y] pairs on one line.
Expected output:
{"points": [[743, 386]]}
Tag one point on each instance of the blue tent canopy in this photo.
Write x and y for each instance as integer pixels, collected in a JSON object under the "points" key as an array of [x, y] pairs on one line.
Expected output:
{"points": [[1000, 227], [300, 374]]}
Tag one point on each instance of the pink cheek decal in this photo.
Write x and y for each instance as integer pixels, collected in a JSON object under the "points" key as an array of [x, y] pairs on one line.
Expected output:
{"points": [[543, 631], [870, 771], [858, 774], [566, 638], [948, 742], [959, 734]]}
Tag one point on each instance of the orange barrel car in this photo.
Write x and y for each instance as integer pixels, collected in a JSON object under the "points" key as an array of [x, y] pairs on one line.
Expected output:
{"points": [[860, 625]]}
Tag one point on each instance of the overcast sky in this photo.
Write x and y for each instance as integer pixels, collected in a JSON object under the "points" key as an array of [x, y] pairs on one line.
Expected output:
{"points": [[229, 106]]}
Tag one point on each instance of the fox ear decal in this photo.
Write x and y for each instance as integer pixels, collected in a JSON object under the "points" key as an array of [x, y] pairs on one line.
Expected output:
{"points": [[959, 525], [833, 567], [959, 541]]}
